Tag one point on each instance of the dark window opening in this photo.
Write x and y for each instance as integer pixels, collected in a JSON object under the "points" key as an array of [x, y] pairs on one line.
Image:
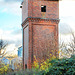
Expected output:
{"points": [[43, 8], [25, 66]]}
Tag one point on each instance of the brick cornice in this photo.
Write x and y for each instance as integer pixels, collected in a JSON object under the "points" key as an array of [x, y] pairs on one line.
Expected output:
{"points": [[37, 19]]}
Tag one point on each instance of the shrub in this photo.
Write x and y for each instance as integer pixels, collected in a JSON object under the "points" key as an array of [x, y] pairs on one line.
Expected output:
{"points": [[51, 66], [35, 65], [3, 68], [61, 67], [45, 64]]}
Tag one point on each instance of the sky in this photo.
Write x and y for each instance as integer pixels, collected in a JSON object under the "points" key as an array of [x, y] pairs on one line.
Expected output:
{"points": [[11, 19], [67, 19], [10, 23]]}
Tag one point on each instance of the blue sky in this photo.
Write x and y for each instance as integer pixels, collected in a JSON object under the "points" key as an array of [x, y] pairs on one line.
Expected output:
{"points": [[11, 19], [10, 14], [8, 20]]}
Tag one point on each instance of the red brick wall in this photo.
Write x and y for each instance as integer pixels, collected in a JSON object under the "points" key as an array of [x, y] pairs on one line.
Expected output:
{"points": [[24, 10], [43, 39], [42, 29], [32, 8], [26, 43], [52, 9]]}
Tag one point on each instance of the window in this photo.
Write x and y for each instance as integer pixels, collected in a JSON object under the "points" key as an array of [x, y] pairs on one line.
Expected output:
{"points": [[43, 8], [25, 66]]}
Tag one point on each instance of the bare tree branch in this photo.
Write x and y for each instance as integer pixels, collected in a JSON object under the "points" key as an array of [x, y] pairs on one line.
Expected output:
{"points": [[69, 48], [3, 46]]}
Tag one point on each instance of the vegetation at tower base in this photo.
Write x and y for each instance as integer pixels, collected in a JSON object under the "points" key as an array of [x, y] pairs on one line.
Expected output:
{"points": [[64, 66], [53, 66], [3, 68]]}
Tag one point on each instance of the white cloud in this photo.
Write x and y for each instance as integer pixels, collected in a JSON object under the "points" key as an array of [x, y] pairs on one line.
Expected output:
{"points": [[11, 38], [1, 32], [67, 8], [67, 19], [64, 28], [67, 14], [11, 7], [5, 10], [11, 50]]}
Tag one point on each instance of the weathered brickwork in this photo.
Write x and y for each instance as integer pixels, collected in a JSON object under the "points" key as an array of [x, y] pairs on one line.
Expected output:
{"points": [[40, 30], [32, 8], [51, 8]]}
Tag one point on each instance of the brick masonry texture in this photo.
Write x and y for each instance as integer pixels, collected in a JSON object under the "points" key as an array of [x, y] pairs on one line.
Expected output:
{"points": [[40, 30], [32, 8]]}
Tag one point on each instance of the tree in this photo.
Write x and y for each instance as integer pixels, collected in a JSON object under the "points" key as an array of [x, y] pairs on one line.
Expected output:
{"points": [[72, 44], [3, 46], [68, 49]]}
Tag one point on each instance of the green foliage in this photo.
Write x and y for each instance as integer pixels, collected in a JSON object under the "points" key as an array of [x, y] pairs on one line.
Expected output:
{"points": [[44, 65], [3, 69], [57, 67], [61, 67]]}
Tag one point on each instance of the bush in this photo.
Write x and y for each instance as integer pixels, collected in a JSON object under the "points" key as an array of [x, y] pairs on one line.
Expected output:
{"points": [[52, 66], [3, 68], [61, 67], [43, 66]]}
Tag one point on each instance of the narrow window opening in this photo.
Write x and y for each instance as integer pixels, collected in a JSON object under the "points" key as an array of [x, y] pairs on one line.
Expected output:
{"points": [[43, 8], [25, 66]]}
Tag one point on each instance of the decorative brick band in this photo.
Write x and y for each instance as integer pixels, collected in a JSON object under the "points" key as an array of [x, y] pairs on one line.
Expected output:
{"points": [[37, 19]]}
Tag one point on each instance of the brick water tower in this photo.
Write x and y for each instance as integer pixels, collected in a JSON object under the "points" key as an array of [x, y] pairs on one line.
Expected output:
{"points": [[40, 20]]}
